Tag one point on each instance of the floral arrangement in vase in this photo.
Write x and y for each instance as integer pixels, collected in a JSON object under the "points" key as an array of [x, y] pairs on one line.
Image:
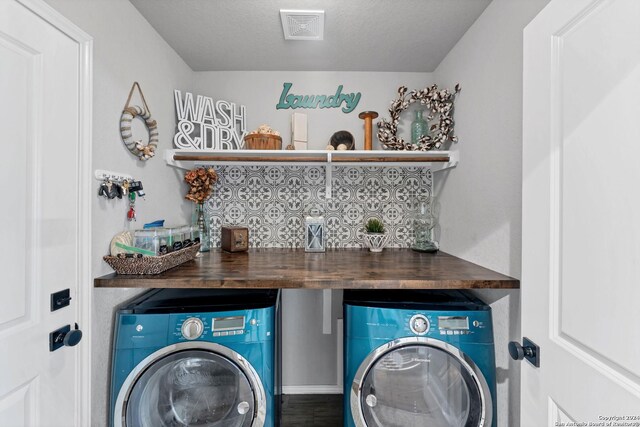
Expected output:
{"points": [[375, 236], [201, 182]]}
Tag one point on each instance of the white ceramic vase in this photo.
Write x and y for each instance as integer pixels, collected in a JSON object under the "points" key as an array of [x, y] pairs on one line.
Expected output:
{"points": [[375, 241]]}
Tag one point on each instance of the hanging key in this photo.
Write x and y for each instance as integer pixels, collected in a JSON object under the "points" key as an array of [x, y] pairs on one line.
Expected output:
{"points": [[131, 214], [136, 186]]}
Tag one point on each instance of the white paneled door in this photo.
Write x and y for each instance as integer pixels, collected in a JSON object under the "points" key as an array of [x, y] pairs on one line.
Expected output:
{"points": [[44, 72], [581, 213]]}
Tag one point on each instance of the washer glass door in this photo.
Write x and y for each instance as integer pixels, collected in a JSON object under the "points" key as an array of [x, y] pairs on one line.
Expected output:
{"points": [[191, 388], [417, 386]]}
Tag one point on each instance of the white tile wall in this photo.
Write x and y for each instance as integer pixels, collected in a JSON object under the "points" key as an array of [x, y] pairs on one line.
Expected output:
{"points": [[272, 201]]}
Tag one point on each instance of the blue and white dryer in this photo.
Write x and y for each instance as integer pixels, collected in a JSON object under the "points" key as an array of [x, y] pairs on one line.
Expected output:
{"points": [[196, 357], [418, 358]]}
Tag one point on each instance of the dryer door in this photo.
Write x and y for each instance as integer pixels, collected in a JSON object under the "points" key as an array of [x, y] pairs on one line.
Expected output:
{"points": [[192, 384], [420, 382]]}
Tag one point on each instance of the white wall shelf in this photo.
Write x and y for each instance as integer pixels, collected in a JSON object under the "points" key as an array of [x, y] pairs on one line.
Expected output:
{"points": [[434, 160]]}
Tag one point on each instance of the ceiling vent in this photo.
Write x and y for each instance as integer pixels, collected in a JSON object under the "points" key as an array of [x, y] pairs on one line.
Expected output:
{"points": [[302, 24]]}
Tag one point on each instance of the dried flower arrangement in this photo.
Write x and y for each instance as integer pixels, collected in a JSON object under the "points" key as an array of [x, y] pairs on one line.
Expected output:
{"points": [[438, 102], [200, 182], [264, 130]]}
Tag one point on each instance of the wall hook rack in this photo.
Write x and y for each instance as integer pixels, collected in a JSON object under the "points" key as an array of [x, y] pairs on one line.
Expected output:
{"points": [[103, 175]]}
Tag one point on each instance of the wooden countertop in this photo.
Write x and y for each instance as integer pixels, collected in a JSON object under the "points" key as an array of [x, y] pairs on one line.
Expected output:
{"points": [[334, 269]]}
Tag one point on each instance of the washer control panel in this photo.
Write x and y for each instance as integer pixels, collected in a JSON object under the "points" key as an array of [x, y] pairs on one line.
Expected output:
{"points": [[419, 324], [192, 328]]}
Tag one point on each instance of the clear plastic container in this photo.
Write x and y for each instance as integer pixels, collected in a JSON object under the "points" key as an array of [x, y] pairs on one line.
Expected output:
{"points": [[195, 234], [155, 240], [178, 237], [163, 241], [185, 232], [174, 238]]}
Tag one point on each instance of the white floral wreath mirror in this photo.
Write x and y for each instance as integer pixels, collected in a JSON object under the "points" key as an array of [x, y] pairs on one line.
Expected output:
{"points": [[137, 147], [439, 104]]}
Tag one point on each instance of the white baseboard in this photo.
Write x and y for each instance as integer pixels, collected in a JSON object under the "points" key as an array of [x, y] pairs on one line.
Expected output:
{"points": [[312, 389]]}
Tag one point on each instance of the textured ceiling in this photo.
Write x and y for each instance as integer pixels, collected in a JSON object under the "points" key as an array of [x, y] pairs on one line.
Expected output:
{"points": [[360, 35]]}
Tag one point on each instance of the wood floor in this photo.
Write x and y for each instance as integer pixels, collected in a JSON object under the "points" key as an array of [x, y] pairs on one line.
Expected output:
{"points": [[312, 410]]}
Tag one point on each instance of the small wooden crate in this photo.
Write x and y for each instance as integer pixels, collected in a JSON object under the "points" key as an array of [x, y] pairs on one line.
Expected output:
{"points": [[261, 141], [235, 239]]}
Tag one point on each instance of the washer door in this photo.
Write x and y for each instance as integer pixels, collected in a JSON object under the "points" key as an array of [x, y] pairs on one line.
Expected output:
{"points": [[420, 382], [192, 384]]}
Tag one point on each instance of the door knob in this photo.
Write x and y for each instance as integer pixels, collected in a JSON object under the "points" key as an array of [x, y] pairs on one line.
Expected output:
{"points": [[528, 350], [72, 337], [64, 336]]}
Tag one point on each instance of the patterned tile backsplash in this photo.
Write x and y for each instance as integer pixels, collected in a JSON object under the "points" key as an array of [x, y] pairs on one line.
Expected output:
{"points": [[272, 201]]}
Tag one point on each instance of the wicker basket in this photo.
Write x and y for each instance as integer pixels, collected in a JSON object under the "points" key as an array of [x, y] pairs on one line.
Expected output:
{"points": [[152, 264], [262, 141]]}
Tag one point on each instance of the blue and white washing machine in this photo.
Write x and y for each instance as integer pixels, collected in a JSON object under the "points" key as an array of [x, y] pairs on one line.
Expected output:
{"points": [[196, 357], [418, 358]]}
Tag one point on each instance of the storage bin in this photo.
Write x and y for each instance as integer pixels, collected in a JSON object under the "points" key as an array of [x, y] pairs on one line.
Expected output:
{"points": [[152, 240]]}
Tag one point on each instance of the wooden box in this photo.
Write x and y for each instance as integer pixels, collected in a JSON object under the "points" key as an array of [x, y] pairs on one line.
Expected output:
{"points": [[235, 239]]}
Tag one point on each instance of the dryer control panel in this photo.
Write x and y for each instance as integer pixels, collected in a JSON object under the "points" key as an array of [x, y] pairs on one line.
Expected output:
{"points": [[390, 323]]}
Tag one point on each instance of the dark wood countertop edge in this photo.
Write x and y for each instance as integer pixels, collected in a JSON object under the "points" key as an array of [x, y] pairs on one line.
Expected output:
{"points": [[486, 279], [121, 281]]}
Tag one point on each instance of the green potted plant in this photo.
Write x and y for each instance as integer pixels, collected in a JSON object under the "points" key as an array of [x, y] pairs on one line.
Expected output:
{"points": [[375, 235]]}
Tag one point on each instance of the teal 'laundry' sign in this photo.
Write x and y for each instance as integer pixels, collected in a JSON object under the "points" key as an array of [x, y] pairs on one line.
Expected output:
{"points": [[348, 101]]}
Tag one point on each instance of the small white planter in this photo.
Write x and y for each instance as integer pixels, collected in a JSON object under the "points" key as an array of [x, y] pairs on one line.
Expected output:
{"points": [[375, 241]]}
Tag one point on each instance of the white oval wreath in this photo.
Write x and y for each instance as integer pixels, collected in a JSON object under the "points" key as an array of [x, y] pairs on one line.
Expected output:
{"points": [[438, 102], [144, 152]]}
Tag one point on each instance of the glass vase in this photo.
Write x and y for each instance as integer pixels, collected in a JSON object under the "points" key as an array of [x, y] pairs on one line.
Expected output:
{"points": [[419, 128], [424, 222], [203, 228]]}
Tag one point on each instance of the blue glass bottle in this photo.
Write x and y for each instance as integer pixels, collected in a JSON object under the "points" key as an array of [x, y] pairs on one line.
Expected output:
{"points": [[419, 128]]}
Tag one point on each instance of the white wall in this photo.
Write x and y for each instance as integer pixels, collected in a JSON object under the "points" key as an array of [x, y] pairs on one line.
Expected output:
{"points": [[126, 49], [481, 198], [260, 92]]}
